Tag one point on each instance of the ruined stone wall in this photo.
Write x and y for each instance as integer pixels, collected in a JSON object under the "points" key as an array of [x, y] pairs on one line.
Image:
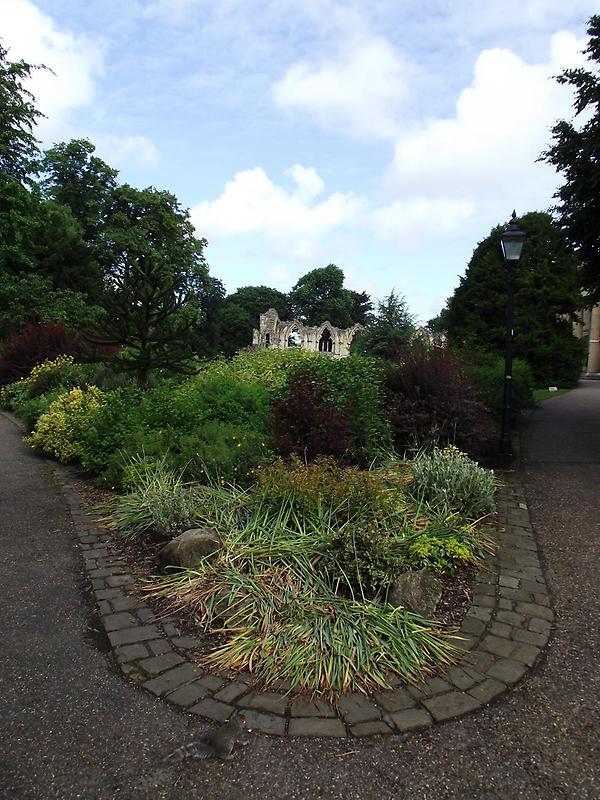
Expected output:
{"points": [[324, 338]]}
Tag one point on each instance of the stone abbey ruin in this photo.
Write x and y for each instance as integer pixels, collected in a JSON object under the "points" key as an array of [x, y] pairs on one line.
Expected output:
{"points": [[324, 338]]}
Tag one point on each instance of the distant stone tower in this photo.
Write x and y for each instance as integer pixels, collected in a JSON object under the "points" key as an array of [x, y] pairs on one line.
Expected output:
{"points": [[324, 338]]}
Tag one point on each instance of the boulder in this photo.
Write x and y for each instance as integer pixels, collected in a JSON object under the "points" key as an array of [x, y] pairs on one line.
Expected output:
{"points": [[419, 592], [190, 547]]}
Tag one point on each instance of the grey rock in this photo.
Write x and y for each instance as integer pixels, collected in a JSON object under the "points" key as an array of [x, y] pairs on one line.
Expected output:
{"points": [[419, 592], [190, 547]]}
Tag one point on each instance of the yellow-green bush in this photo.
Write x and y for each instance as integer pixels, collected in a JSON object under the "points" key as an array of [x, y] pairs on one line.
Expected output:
{"points": [[271, 368], [59, 432]]}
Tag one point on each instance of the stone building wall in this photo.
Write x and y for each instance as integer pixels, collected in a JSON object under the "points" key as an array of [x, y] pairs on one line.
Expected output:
{"points": [[324, 338], [590, 328]]}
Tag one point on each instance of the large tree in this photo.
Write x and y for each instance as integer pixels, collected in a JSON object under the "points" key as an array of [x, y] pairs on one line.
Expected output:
{"points": [[241, 311], [546, 299], [156, 277], [576, 153], [76, 178], [320, 296], [18, 115], [37, 242]]}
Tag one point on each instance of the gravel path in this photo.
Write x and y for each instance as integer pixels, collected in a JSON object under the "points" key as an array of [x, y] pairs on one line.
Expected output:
{"points": [[70, 727]]}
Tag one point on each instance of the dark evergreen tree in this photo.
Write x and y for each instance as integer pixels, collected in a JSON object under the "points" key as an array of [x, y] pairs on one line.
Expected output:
{"points": [[575, 153], [546, 299], [388, 331]]}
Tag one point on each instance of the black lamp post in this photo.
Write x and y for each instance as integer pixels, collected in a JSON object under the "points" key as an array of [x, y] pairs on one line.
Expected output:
{"points": [[512, 239]]}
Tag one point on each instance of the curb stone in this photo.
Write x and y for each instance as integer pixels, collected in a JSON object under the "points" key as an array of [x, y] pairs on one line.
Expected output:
{"points": [[503, 633]]}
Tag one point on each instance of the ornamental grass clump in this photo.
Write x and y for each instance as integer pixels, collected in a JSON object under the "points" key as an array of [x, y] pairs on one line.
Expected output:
{"points": [[450, 479], [269, 596], [160, 503], [298, 590]]}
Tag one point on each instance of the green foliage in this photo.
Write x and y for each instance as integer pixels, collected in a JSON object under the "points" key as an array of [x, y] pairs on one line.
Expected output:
{"points": [[354, 385], [223, 452], [18, 117], [160, 503], [219, 398], [241, 311], [487, 371], [60, 431], [75, 178], [57, 373], [547, 295], [389, 330], [574, 152], [319, 296], [270, 368], [113, 427], [449, 479], [29, 411], [156, 270], [440, 554], [211, 428]]}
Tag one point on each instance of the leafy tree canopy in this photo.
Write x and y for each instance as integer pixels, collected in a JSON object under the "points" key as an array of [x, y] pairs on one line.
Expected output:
{"points": [[575, 153], [156, 277], [18, 115], [241, 312], [546, 299], [319, 296], [389, 330], [76, 178]]}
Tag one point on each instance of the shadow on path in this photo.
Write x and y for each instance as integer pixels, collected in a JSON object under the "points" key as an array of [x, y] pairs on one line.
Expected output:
{"points": [[70, 727]]}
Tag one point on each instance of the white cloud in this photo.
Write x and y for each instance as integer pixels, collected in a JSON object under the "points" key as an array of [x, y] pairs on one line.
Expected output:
{"points": [[411, 221], [500, 127], [308, 181], [117, 150], [360, 92], [252, 203], [75, 62]]}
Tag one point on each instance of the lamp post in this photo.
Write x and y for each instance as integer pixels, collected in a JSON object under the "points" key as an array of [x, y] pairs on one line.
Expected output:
{"points": [[512, 239]]}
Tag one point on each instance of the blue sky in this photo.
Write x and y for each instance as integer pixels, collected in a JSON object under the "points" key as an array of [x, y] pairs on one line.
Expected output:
{"points": [[386, 136]]}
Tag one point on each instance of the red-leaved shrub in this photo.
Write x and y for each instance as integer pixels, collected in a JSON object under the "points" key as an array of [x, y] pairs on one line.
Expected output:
{"points": [[305, 425], [34, 343], [431, 401]]}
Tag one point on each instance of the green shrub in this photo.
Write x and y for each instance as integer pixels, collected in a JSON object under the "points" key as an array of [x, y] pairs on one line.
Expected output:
{"points": [[53, 374], [60, 431], [270, 368], [113, 426], [440, 554], [354, 386], [449, 479], [58, 373], [13, 395], [222, 452], [29, 411], [488, 375]]}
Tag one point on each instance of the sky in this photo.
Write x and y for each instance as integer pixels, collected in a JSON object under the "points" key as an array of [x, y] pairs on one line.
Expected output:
{"points": [[385, 136]]}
